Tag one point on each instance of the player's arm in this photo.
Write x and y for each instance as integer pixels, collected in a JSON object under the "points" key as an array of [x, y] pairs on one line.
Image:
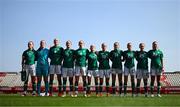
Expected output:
{"points": [[62, 53], [87, 53], [110, 55], [149, 54], [136, 55], [124, 56], [36, 55], [162, 61], [75, 54], [99, 59], [23, 60], [121, 55]]}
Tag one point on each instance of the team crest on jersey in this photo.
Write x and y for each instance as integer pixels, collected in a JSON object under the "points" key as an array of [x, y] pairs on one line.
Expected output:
{"points": [[104, 56], [56, 50], [93, 56], [30, 53], [154, 54], [142, 55], [116, 55], [130, 55], [67, 53], [80, 53]]}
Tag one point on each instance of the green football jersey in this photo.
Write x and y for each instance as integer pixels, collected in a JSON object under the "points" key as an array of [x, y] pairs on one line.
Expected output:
{"points": [[142, 60], [81, 57], [56, 55], [116, 58], [68, 58], [103, 58], [92, 61], [29, 56], [156, 56], [129, 57]]}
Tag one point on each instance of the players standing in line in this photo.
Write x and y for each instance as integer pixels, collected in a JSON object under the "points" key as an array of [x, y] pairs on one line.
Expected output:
{"points": [[28, 64], [92, 69], [104, 68], [142, 69], [156, 57], [116, 56], [80, 66], [42, 67], [56, 55], [68, 67], [129, 56]]}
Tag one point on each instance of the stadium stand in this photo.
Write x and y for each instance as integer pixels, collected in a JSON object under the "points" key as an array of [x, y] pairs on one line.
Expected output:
{"points": [[10, 82]]}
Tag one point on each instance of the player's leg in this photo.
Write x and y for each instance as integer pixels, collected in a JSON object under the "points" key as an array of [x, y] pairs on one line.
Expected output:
{"points": [[71, 86], [120, 83], [39, 79], [132, 72], [158, 85], [70, 75], [96, 77], [84, 85], [107, 86], [83, 73], [64, 75], [138, 77], [138, 86], [145, 79], [132, 85], [113, 81], [126, 73], [152, 85], [101, 76], [76, 85], [89, 76], [77, 73], [152, 82], [45, 78], [107, 75], [46, 85], [33, 79], [59, 85], [89, 82], [96, 85], [26, 82], [145, 86], [58, 72], [51, 84], [51, 72]]}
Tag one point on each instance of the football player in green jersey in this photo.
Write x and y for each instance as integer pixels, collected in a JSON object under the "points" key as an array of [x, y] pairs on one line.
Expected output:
{"points": [[80, 66], [56, 56], [42, 67], [129, 56], [142, 69], [28, 64], [116, 56], [104, 68], [68, 67], [156, 57], [92, 69]]}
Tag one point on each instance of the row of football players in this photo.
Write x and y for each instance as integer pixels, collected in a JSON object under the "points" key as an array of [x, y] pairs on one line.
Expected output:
{"points": [[82, 62]]}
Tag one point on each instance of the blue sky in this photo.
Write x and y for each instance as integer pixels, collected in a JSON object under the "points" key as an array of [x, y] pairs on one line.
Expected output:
{"points": [[94, 21]]}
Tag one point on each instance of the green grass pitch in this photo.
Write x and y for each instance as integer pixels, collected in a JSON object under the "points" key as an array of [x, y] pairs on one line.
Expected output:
{"points": [[17, 100]]}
